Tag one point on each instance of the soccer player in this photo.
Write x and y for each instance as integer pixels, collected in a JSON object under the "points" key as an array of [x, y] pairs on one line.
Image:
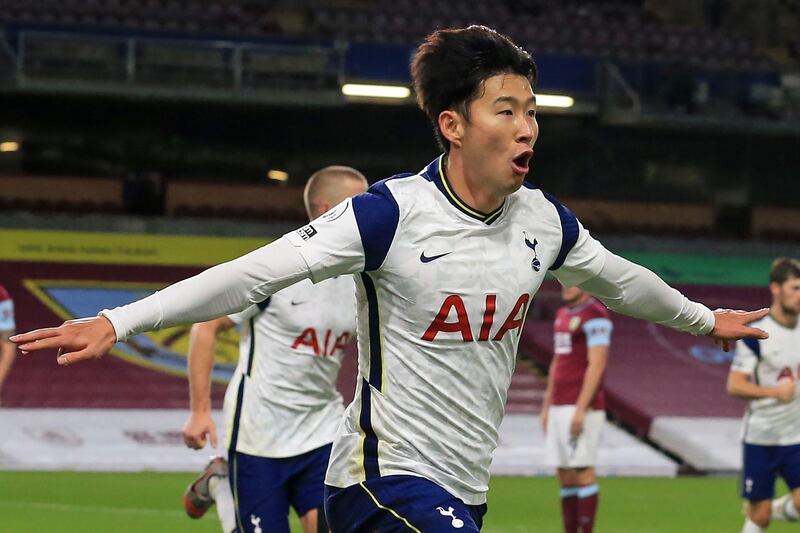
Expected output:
{"points": [[764, 372], [573, 412], [8, 351], [281, 407], [447, 261]]}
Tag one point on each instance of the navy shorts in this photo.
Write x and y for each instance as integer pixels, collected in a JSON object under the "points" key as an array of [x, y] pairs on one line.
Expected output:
{"points": [[762, 464], [399, 503], [264, 488]]}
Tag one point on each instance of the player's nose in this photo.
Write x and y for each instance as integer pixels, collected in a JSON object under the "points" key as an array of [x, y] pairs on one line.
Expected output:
{"points": [[527, 131]]}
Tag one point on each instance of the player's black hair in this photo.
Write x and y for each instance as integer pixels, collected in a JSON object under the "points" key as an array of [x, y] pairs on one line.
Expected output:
{"points": [[784, 268], [449, 68]]}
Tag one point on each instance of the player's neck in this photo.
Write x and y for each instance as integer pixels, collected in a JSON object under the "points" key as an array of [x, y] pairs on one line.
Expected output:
{"points": [[783, 318], [470, 189], [579, 301]]}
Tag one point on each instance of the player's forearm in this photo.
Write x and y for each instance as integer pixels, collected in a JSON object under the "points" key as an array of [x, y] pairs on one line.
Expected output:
{"points": [[8, 352], [592, 378], [548, 392], [747, 390], [221, 290], [632, 290], [202, 344]]}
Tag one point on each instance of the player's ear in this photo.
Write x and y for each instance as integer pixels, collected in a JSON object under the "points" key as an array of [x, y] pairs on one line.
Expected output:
{"points": [[322, 208], [451, 124], [775, 289]]}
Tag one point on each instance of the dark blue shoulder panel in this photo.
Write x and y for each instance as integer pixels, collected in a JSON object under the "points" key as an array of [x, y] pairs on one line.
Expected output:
{"points": [[754, 345], [377, 216], [263, 304], [569, 231]]}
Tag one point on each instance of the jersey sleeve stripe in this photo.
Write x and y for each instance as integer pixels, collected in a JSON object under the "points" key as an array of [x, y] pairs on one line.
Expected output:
{"points": [[754, 346], [375, 348], [377, 216], [236, 416], [598, 332], [263, 304], [569, 231], [251, 355], [240, 393], [370, 444]]}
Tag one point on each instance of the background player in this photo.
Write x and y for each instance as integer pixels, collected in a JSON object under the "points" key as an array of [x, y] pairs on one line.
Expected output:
{"points": [[448, 260], [764, 372], [8, 350], [573, 412], [281, 407]]}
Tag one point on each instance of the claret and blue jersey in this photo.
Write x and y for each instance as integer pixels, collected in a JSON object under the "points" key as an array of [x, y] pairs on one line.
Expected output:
{"points": [[442, 294]]}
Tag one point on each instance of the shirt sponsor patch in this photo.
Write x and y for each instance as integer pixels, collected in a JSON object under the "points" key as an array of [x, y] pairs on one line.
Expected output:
{"points": [[306, 232]]}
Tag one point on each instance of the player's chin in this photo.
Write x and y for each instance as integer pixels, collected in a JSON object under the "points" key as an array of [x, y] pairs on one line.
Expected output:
{"points": [[514, 182]]}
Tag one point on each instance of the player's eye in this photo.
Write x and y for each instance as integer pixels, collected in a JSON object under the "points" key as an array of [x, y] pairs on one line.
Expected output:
{"points": [[531, 112], [506, 112]]}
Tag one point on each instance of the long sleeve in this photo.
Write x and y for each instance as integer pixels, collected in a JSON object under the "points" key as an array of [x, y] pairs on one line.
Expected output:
{"points": [[633, 290], [220, 290], [329, 246]]}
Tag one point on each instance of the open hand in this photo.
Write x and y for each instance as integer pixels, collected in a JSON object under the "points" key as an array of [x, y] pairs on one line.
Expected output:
{"points": [[75, 340], [732, 325]]}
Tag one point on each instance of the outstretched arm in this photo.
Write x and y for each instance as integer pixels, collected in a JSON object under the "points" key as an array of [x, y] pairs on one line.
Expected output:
{"points": [[633, 290], [202, 345], [218, 291]]}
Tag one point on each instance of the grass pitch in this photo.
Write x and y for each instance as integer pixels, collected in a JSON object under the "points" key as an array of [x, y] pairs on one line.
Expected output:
{"points": [[70, 502]]}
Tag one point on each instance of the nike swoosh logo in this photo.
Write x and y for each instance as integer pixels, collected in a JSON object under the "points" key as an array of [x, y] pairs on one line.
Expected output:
{"points": [[297, 303], [426, 259]]}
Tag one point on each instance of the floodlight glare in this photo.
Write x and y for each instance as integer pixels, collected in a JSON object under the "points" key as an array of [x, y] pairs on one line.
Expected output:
{"points": [[375, 91]]}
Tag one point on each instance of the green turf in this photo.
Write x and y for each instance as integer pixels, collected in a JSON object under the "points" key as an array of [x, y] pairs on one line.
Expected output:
{"points": [[67, 502]]}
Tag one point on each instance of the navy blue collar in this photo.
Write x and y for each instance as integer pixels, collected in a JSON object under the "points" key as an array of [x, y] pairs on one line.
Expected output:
{"points": [[436, 173]]}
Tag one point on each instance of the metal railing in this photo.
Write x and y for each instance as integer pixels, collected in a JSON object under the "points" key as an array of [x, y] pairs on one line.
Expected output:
{"points": [[179, 67]]}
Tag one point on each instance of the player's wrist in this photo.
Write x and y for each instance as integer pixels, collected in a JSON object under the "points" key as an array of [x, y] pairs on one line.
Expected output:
{"points": [[773, 392]]}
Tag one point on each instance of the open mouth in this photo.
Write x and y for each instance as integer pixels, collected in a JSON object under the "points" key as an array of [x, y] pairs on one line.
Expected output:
{"points": [[521, 162]]}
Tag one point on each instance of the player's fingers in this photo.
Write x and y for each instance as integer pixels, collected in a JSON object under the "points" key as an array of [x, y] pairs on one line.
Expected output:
{"points": [[194, 442], [74, 357], [758, 333], [35, 335], [43, 343], [752, 316], [213, 434], [200, 442]]}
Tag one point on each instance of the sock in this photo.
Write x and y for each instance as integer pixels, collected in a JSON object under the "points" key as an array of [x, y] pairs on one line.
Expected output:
{"points": [[221, 491], [569, 509], [787, 510], [790, 510], [751, 527], [588, 498]]}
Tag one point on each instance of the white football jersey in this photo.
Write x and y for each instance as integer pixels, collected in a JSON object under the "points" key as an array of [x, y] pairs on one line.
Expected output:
{"points": [[282, 400], [442, 294], [769, 421], [7, 324]]}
